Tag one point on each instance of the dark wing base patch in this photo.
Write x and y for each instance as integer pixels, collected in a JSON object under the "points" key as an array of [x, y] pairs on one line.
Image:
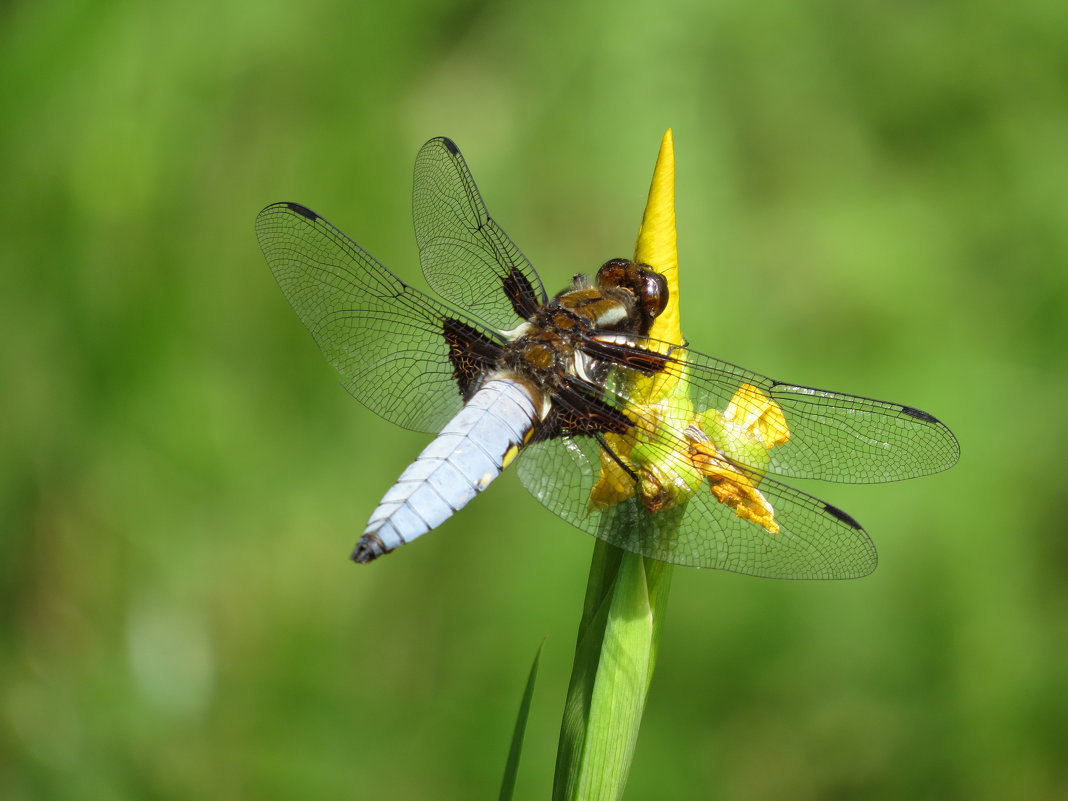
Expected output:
{"points": [[472, 353]]}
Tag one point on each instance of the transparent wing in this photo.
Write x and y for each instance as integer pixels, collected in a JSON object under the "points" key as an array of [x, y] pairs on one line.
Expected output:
{"points": [[383, 337], [815, 540], [833, 436], [465, 255]]}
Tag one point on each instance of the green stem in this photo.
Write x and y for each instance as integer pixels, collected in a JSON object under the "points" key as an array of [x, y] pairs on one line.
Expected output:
{"points": [[614, 659]]}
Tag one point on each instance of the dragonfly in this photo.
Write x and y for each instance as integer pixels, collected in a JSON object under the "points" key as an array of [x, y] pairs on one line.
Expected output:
{"points": [[501, 372]]}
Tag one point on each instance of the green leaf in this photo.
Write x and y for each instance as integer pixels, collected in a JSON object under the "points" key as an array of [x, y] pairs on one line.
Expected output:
{"points": [[511, 768]]}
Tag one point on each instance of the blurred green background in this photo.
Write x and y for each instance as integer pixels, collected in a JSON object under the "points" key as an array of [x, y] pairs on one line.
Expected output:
{"points": [[871, 197]]}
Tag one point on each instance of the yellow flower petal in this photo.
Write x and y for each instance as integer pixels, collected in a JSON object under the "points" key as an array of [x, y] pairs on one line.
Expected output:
{"points": [[614, 484], [757, 415], [657, 241]]}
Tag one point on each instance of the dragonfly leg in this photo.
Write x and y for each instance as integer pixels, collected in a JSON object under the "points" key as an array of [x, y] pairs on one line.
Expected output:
{"points": [[615, 457]]}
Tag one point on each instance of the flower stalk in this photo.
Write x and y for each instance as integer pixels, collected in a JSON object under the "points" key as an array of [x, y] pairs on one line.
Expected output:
{"points": [[627, 594]]}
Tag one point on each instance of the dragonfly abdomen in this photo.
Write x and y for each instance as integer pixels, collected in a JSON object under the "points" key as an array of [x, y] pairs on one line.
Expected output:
{"points": [[462, 460]]}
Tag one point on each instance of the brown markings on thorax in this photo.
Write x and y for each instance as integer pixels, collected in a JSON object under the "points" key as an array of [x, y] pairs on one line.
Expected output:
{"points": [[544, 357]]}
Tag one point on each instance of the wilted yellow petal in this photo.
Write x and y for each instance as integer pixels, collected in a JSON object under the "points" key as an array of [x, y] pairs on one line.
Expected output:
{"points": [[747, 503], [732, 487]]}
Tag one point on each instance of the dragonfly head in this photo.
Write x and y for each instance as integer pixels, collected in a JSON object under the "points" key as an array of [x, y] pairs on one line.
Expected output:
{"points": [[648, 287]]}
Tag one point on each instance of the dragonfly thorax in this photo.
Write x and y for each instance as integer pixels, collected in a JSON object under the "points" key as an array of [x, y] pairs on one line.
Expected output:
{"points": [[549, 349], [625, 296]]}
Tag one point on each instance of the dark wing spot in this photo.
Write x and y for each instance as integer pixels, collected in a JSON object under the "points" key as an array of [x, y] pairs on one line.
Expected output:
{"points": [[845, 517], [304, 211], [919, 414], [450, 145]]}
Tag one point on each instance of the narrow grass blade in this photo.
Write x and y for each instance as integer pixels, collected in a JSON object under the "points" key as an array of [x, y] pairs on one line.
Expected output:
{"points": [[511, 768]]}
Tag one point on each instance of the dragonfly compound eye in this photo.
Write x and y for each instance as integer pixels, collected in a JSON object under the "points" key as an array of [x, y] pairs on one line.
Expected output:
{"points": [[654, 293], [615, 272]]}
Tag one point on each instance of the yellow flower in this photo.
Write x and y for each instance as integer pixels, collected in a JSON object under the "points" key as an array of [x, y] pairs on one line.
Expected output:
{"points": [[656, 246], [708, 444]]}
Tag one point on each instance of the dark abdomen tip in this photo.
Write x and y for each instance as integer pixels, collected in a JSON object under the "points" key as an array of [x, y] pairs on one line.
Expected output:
{"points": [[368, 549]]}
